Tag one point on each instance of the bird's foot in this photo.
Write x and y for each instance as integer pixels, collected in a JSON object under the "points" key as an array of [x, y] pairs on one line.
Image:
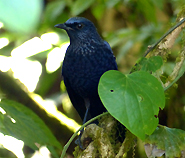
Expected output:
{"points": [[79, 143]]}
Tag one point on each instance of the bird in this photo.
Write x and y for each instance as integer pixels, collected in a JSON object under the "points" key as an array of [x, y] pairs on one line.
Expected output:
{"points": [[86, 59]]}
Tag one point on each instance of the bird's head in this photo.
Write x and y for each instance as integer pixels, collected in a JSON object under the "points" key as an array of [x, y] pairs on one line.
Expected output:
{"points": [[79, 29]]}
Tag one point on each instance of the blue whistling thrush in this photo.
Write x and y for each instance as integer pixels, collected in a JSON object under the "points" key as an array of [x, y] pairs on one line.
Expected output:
{"points": [[87, 58]]}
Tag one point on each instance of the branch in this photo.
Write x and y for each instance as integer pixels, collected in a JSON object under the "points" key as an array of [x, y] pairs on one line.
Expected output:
{"points": [[170, 40], [150, 48], [176, 69], [164, 45], [102, 140]]}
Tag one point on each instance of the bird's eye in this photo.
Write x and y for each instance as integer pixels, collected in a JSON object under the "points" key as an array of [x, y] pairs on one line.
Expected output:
{"points": [[79, 26]]}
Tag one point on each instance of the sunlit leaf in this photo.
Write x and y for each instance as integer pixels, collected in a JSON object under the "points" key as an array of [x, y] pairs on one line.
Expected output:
{"points": [[132, 99], [25, 125], [171, 140], [20, 15]]}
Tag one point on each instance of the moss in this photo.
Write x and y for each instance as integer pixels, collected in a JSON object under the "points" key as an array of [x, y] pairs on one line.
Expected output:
{"points": [[77, 152], [181, 13], [178, 59]]}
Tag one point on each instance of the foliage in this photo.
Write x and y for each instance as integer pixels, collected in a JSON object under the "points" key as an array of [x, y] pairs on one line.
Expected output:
{"points": [[21, 122], [31, 50], [27, 15], [151, 64], [136, 98], [170, 140]]}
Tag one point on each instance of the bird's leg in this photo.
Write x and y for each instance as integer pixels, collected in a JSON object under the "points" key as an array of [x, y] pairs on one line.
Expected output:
{"points": [[87, 105]]}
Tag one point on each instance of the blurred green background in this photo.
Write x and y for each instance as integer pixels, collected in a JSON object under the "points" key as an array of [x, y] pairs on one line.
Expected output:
{"points": [[32, 51]]}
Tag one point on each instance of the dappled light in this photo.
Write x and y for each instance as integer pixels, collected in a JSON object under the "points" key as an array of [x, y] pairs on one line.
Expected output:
{"points": [[55, 58], [49, 106], [50, 37], [31, 47], [43, 152], [5, 63], [15, 146], [3, 42], [28, 72], [1, 25], [2, 111]]}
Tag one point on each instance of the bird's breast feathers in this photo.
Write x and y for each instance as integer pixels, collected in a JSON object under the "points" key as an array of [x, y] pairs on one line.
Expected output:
{"points": [[84, 65]]}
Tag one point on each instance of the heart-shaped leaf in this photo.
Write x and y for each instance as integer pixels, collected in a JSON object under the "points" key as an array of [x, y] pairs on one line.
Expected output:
{"points": [[133, 99]]}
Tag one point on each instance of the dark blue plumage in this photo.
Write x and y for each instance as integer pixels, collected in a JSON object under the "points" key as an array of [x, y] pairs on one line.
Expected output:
{"points": [[86, 59]]}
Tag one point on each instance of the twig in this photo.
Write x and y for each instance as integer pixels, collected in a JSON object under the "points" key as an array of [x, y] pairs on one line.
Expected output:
{"points": [[164, 36], [176, 69]]}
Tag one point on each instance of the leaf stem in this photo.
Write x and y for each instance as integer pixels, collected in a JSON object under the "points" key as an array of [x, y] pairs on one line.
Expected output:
{"points": [[75, 134]]}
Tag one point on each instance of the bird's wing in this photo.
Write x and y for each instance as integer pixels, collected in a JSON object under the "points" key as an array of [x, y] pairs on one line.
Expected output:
{"points": [[77, 100], [107, 46]]}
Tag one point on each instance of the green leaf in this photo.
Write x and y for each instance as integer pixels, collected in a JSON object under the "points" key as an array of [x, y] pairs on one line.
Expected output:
{"points": [[148, 9], [53, 10], [151, 64], [98, 10], [170, 140], [80, 5], [132, 99], [21, 16], [111, 3], [24, 124], [2, 127]]}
